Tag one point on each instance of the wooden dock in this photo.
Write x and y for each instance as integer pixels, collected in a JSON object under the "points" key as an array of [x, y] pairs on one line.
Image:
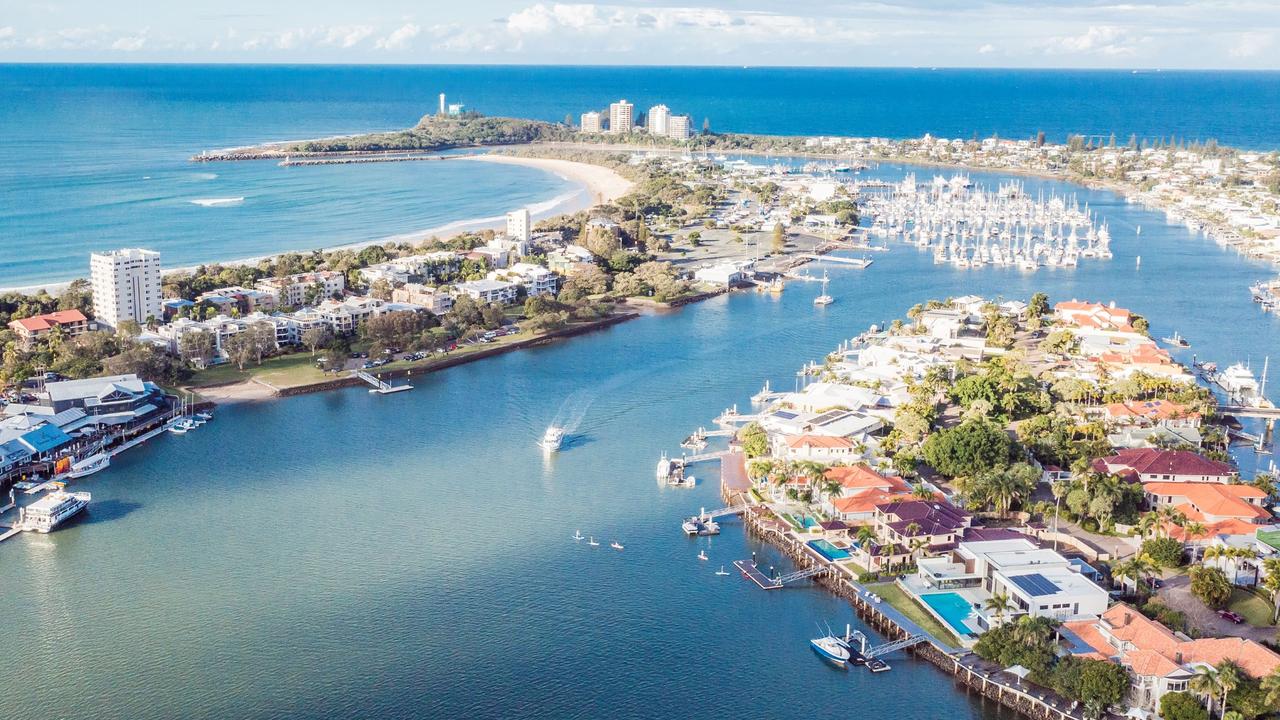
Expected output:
{"points": [[9, 533]]}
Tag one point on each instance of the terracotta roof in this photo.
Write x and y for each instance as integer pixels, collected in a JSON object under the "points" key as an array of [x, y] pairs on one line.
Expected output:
{"points": [[865, 502], [862, 477], [1152, 461], [1213, 498], [819, 441], [40, 323], [1157, 651], [1149, 410]]}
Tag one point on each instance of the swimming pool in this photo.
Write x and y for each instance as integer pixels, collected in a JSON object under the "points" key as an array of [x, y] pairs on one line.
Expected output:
{"points": [[828, 550], [953, 608]]}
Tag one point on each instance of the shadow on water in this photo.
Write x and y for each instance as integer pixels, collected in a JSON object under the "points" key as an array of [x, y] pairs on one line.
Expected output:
{"points": [[104, 511]]}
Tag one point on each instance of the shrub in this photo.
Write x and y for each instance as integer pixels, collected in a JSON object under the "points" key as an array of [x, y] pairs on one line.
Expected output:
{"points": [[1182, 706], [1166, 552], [967, 449]]}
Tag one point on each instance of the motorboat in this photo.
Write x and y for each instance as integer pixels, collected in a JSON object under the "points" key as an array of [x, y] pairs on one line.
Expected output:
{"points": [[615, 545], [552, 439], [702, 555], [832, 649], [89, 465], [1176, 340]]}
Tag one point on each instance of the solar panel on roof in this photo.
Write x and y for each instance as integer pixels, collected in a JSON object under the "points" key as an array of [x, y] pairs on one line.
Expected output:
{"points": [[1036, 585], [785, 415], [829, 416]]}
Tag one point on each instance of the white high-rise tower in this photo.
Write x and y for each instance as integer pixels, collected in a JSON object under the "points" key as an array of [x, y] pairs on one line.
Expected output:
{"points": [[126, 286]]}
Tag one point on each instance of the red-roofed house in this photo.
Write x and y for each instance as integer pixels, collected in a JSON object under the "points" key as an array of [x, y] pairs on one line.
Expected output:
{"points": [[1155, 412], [29, 330], [1222, 509], [1161, 661], [1155, 465], [1093, 316], [861, 490]]}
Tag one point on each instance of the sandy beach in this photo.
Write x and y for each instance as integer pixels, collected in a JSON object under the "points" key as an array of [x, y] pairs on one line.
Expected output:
{"points": [[597, 185], [236, 392], [603, 185]]}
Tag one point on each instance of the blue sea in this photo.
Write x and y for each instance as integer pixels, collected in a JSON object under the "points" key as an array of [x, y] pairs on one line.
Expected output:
{"points": [[95, 156], [411, 556]]}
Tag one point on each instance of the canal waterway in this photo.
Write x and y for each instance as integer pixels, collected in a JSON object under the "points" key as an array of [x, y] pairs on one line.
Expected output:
{"points": [[347, 554]]}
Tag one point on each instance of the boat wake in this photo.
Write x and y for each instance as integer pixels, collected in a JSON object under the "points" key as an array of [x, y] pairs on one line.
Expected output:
{"points": [[574, 408], [217, 202]]}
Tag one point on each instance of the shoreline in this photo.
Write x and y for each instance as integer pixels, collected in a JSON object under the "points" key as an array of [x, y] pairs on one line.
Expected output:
{"points": [[593, 181]]}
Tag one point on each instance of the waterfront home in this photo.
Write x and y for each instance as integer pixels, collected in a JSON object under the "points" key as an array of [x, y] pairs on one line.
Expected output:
{"points": [[69, 322], [293, 290], [487, 291], [344, 316], [1132, 436], [862, 490], [931, 525], [1160, 660], [1091, 315], [819, 397], [435, 300], [535, 279], [1220, 508], [1155, 465], [816, 448], [1037, 582]]}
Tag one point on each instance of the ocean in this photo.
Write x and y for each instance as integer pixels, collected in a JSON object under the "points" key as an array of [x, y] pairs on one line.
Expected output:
{"points": [[411, 556], [95, 156]]}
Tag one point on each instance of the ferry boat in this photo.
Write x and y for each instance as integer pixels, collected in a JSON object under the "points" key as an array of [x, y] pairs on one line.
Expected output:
{"points": [[831, 649], [552, 439], [46, 513]]}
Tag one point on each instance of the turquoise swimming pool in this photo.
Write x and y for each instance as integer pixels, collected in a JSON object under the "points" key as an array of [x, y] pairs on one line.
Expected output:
{"points": [[953, 608], [828, 550]]}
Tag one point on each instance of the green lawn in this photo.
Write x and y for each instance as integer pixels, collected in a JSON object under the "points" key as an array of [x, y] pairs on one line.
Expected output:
{"points": [[1254, 609], [282, 372], [907, 605]]}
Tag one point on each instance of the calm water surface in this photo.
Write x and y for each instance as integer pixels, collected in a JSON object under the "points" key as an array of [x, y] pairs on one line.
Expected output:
{"points": [[410, 556]]}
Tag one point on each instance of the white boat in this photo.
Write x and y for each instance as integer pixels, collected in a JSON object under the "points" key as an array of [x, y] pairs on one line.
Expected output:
{"points": [[552, 439], [178, 429], [89, 465], [615, 545], [46, 513], [592, 542], [722, 571], [832, 649], [577, 535], [1176, 340], [702, 555]]}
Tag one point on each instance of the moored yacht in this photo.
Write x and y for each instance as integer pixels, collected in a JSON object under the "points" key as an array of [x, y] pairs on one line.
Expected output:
{"points": [[89, 464], [831, 649]]}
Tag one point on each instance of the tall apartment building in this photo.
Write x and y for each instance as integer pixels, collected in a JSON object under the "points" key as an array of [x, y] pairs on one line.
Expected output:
{"points": [[126, 286], [520, 225], [590, 122], [621, 116], [679, 127], [656, 120]]}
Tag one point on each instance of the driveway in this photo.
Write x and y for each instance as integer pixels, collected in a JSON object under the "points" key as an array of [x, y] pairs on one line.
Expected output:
{"points": [[1176, 593], [1115, 546]]}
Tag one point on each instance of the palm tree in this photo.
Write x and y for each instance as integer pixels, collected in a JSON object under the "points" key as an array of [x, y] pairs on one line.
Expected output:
{"points": [[1230, 676], [866, 535], [1271, 686], [920, 491], [999, 604], [1205, 684], [1271, 583], [1148, 523]]}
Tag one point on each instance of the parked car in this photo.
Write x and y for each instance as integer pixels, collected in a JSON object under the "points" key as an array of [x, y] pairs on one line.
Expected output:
{"points": [[1233, 617]]}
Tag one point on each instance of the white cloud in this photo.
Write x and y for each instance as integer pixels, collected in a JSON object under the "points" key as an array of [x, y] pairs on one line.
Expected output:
{"points": [[130, 43], [347, 36], [1099, 39], [7, 32], [1250, 44], [986, 49], [400, 38]]}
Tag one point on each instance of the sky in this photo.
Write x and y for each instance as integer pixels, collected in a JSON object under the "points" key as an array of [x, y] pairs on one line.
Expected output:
{"points": [[1231, 34]]}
